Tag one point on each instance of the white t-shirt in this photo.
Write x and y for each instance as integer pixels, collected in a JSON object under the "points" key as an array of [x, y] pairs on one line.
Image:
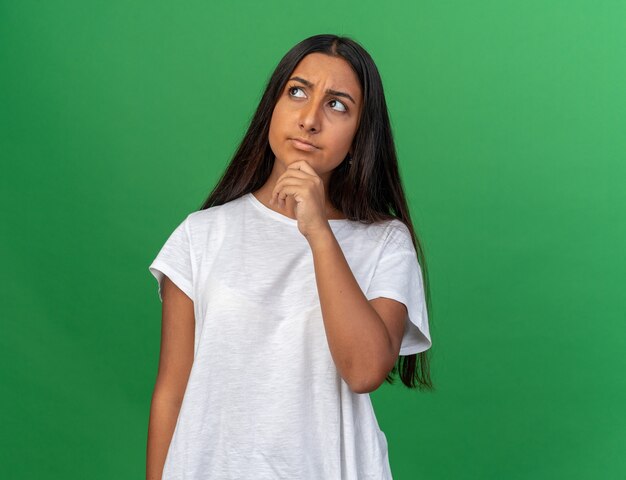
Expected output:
{"points": [[264, 399]]}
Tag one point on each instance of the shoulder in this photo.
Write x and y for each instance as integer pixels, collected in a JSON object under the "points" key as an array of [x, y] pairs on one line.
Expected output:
{"points": [[398, 236], [212, 216], [211, 224], [390, 229], [397, 227], [390, 234]]}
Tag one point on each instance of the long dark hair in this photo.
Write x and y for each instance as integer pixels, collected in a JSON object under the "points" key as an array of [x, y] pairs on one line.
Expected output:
{"points": [[368, 190]]}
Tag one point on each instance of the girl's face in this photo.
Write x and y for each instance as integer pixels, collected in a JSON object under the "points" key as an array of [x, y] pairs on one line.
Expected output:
{"points": [[321, 104]]}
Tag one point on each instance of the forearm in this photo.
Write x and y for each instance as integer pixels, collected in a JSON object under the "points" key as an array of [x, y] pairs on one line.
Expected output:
{"points": [[163, 415], [357, 337]]}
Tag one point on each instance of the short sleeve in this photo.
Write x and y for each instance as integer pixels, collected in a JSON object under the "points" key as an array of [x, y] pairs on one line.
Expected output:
{"points": [[174, 260], [398, 276]]}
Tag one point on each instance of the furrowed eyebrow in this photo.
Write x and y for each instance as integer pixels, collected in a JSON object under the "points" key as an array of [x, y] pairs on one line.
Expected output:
{"points": [[331, 92]]}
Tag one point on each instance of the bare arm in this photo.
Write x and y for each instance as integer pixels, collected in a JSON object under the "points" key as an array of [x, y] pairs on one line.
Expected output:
{"points": [[364, 336], [176, 358]]}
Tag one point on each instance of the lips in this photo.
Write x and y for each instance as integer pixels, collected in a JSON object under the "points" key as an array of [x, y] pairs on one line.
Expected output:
{"points": [[302, 144]]}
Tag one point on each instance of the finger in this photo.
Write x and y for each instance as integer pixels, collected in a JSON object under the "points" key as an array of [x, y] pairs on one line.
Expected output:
{"points": [[304, 166], [286, 191], [294, 172], [297, 175], [299, 183], [291, 174], [294, 175], [280, 191]]}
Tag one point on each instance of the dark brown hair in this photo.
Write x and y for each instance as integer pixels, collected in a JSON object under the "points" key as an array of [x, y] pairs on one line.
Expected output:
{"points": [[368, 190]]}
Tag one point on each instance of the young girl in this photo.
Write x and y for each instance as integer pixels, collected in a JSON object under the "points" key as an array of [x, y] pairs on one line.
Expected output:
{"points": [[294, 290]]}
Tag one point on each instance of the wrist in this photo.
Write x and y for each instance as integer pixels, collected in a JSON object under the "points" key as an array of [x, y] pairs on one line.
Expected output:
{"points": [[321, 238]]}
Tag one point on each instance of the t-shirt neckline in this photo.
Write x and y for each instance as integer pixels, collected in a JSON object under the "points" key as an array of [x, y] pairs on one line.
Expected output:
{"points": [[284, 218]]}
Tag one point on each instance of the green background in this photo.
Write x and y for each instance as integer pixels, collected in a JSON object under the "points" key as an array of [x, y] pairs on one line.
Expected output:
{"points": [[117, 118]]}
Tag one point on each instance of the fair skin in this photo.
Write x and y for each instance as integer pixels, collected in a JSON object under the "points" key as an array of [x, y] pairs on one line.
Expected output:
{"points": [[328, 121], [175, 361], [364, 336]]}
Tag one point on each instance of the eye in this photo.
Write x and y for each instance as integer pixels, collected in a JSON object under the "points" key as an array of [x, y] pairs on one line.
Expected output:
{"points": [[337, 102], [293, 87]]}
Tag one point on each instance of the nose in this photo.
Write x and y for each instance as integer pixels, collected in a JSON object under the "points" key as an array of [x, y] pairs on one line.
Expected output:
{"points": [[310, 117]]}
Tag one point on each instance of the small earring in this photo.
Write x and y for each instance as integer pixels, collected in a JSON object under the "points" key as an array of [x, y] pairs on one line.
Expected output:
{"points": [[349, 158]]}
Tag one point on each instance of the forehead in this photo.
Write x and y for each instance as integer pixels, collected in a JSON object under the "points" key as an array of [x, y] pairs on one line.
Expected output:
{"points": [[329, 72]]}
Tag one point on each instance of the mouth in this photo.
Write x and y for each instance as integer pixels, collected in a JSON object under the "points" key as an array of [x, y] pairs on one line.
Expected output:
{"points": [[302, 144]]}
